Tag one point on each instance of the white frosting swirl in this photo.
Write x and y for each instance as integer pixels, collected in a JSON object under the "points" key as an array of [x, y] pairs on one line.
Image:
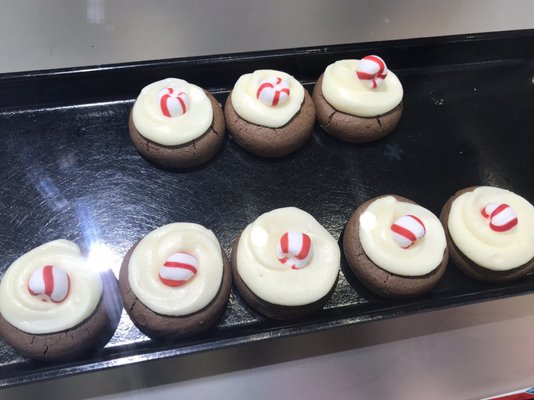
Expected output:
{"points": [[154, 250], [346, 93], [377, 241], [471, 233], [153, 125], [29, 313], [248, 107], [272, 281]]}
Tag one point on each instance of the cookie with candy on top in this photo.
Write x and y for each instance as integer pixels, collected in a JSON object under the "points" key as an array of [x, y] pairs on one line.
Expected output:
{"points": [[269, 113], [175, 282], [490, 232], [358, 101], [395, 247], [176, 124], [285, 264], [55, 305]]}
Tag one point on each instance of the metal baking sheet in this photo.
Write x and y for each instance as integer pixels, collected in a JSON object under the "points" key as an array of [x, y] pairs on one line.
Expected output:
{"points": [[68, 170]]}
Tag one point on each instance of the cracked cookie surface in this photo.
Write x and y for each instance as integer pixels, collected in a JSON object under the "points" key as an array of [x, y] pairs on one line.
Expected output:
{"points": [[351, 128], [187, 155], [377, 279], [92, 333], [272, 142], [170, 328]]}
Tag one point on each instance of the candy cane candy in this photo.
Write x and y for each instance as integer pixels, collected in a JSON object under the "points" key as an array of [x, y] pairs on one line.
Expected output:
{"points": [[49, 283], [173, 102], [502, 217], [273, 92], [372, 71], [294, 249], [179, 269], [407, 230]]}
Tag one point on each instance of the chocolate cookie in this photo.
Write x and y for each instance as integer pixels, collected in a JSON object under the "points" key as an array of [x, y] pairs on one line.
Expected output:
{"points": [[271, 142], [289, 269], [187, 155], [352, 128], [177, 277], [469, 267], [90, 335], [167, 328], [270, 310], [377, 279]]}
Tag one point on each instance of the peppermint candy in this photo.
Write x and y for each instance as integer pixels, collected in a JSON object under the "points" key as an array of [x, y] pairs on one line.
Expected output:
{"points": [[49, 283], [273, 92], [407, 230], [294, 249], [372, 71], [173, 102], [502, 217], [179, 269]]}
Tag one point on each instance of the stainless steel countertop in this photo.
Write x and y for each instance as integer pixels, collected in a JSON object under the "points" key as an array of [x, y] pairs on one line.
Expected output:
{"points": [[464, 352], [43, 34]]}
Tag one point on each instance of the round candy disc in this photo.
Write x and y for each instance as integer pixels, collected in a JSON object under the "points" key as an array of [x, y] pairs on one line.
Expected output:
{"points": [[372, 71], [407, 230], [179, 269], [173, 102], [49, 283], [502, 217], [273, 92], [294, 249]]}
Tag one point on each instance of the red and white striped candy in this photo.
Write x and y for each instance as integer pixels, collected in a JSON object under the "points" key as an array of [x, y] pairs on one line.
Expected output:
{"points": [[273, 91], [173, 102], [372, 71], [407, 229], [179, 269], [50, 284], [502, 216], [294, 249]]}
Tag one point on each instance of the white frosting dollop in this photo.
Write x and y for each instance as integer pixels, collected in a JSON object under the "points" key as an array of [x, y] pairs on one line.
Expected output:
{"points": [[376, 237], [343, 90], [272, 281], [32, 315], [471, 233], [152, 124], [156, 248], [253, 110]]}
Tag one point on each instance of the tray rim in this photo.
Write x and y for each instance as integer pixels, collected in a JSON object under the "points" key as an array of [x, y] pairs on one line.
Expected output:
{"points": [[296, 329], [243, 56]]}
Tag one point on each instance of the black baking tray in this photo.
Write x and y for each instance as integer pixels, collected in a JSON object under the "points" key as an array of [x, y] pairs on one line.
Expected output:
{"points": [[68, 170]]}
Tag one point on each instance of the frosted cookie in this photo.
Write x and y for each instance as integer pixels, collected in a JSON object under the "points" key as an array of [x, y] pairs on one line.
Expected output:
{"points": [[269, 113], [395, 247], [55, 306], [285, 264], [490, 232], [358, 100], [175, 282], [176, 124]]}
